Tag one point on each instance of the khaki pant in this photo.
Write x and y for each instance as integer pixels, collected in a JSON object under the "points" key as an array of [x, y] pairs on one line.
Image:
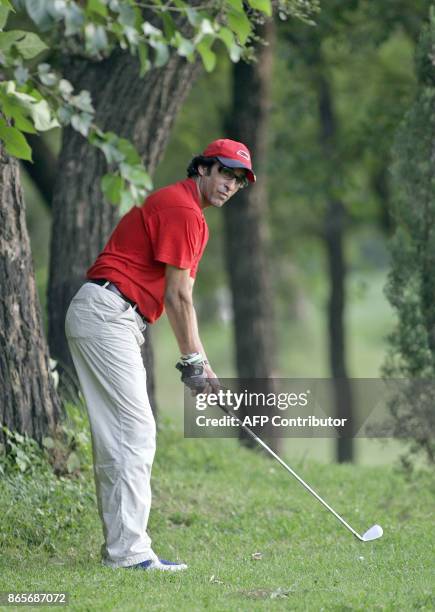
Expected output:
{"points": [[104, 335]]}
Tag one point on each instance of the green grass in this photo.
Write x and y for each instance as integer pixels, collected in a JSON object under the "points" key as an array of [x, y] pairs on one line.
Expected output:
{"points": [[216, 504]]}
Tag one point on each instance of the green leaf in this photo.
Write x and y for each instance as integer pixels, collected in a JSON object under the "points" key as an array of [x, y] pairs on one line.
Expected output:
{"points": [[13, 110], [4, 14], [131, 156], [168, 26], [64, 114], [14, 141], [132, 35], [31, 45], [145, 64], [127, 201], [21, 75], [98, 7], [137, 175], [206, 27], [150, 30], [39, 13], [111, 153], [73, 463], [22, 465], [112, 186], [28, 44], [193, 16], [10, 89], [46, 76], [185, 47], [47, 442], [23, 124], [240, 24], [207, 55], [237, 5], [127, 14], [161, 54], [33, 105], [96, 39], [83, 101], [235, 52], [65, 88], [43, 117], [82, 123], [7, 39], [74, 19], [117, 29], [227, 37], [265, 6]]}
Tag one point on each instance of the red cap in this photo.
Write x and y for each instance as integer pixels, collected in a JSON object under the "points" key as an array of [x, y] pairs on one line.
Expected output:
{"points": [[232, 154]]}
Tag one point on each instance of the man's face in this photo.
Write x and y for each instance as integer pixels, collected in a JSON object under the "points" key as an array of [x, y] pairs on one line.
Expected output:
{"points": [[218, 183]]}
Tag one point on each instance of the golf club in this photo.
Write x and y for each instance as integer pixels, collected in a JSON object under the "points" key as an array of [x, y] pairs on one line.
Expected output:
{"points": [[373, 533]]}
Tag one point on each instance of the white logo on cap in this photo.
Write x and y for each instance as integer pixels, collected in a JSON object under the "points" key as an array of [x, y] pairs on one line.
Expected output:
{"points": [[243, 154]]}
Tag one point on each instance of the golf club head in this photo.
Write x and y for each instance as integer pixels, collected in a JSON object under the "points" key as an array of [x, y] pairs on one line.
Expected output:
{"points": [[373, 533]]}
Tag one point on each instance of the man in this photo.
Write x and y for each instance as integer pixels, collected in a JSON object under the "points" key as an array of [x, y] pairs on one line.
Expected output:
{"points": [[149, 264]]}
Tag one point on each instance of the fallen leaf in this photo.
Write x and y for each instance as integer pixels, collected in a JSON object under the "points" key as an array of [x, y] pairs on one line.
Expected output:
{"points": [[215, 580]]}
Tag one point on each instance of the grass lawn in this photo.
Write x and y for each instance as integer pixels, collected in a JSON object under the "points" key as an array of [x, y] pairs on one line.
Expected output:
{"points": [[215, 505]]}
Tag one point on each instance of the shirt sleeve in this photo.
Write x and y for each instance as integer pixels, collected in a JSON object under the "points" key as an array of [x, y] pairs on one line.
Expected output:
{"points": [[175, 236]]}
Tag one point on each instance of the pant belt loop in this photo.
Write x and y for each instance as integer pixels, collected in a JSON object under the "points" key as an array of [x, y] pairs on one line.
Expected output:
{"points": [[106, 283]]}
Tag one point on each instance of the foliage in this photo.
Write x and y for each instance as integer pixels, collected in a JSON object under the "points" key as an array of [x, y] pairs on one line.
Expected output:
{"points": [[372, 83], [35, 97], [66, 452], [20, 453], [411, 285], [47, 489]]}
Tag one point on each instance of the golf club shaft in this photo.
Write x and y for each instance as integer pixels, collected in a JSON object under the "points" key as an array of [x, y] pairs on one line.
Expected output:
{"points": [[292, 472]]}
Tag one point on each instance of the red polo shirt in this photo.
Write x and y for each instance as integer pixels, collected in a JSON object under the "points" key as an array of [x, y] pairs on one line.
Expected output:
{"points": [[169, 228]]}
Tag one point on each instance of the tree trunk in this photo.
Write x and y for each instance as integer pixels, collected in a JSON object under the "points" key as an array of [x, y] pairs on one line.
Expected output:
{"points": [[245, 224], [28, 399], [381, 187], [333, 235], [142, 110]]}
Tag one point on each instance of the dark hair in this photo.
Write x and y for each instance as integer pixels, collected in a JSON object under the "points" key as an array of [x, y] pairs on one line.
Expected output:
{"points": [[200, 160]]}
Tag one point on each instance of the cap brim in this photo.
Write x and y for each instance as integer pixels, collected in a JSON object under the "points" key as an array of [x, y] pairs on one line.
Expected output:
{"points": [[235, 163]]}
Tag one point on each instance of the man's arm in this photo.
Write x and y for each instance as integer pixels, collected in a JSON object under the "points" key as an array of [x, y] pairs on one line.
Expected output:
{"points": [[181, 313]]}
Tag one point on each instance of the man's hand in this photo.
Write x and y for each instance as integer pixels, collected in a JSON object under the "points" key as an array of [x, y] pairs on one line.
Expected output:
{"points": [[212, 379], [199, 377], [193, 376]]}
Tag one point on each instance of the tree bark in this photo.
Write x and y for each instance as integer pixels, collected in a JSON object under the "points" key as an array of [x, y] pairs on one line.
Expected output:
{"points": [[142, 110], [245, 224], [28, 399], [381, 187], [334, 236]]}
